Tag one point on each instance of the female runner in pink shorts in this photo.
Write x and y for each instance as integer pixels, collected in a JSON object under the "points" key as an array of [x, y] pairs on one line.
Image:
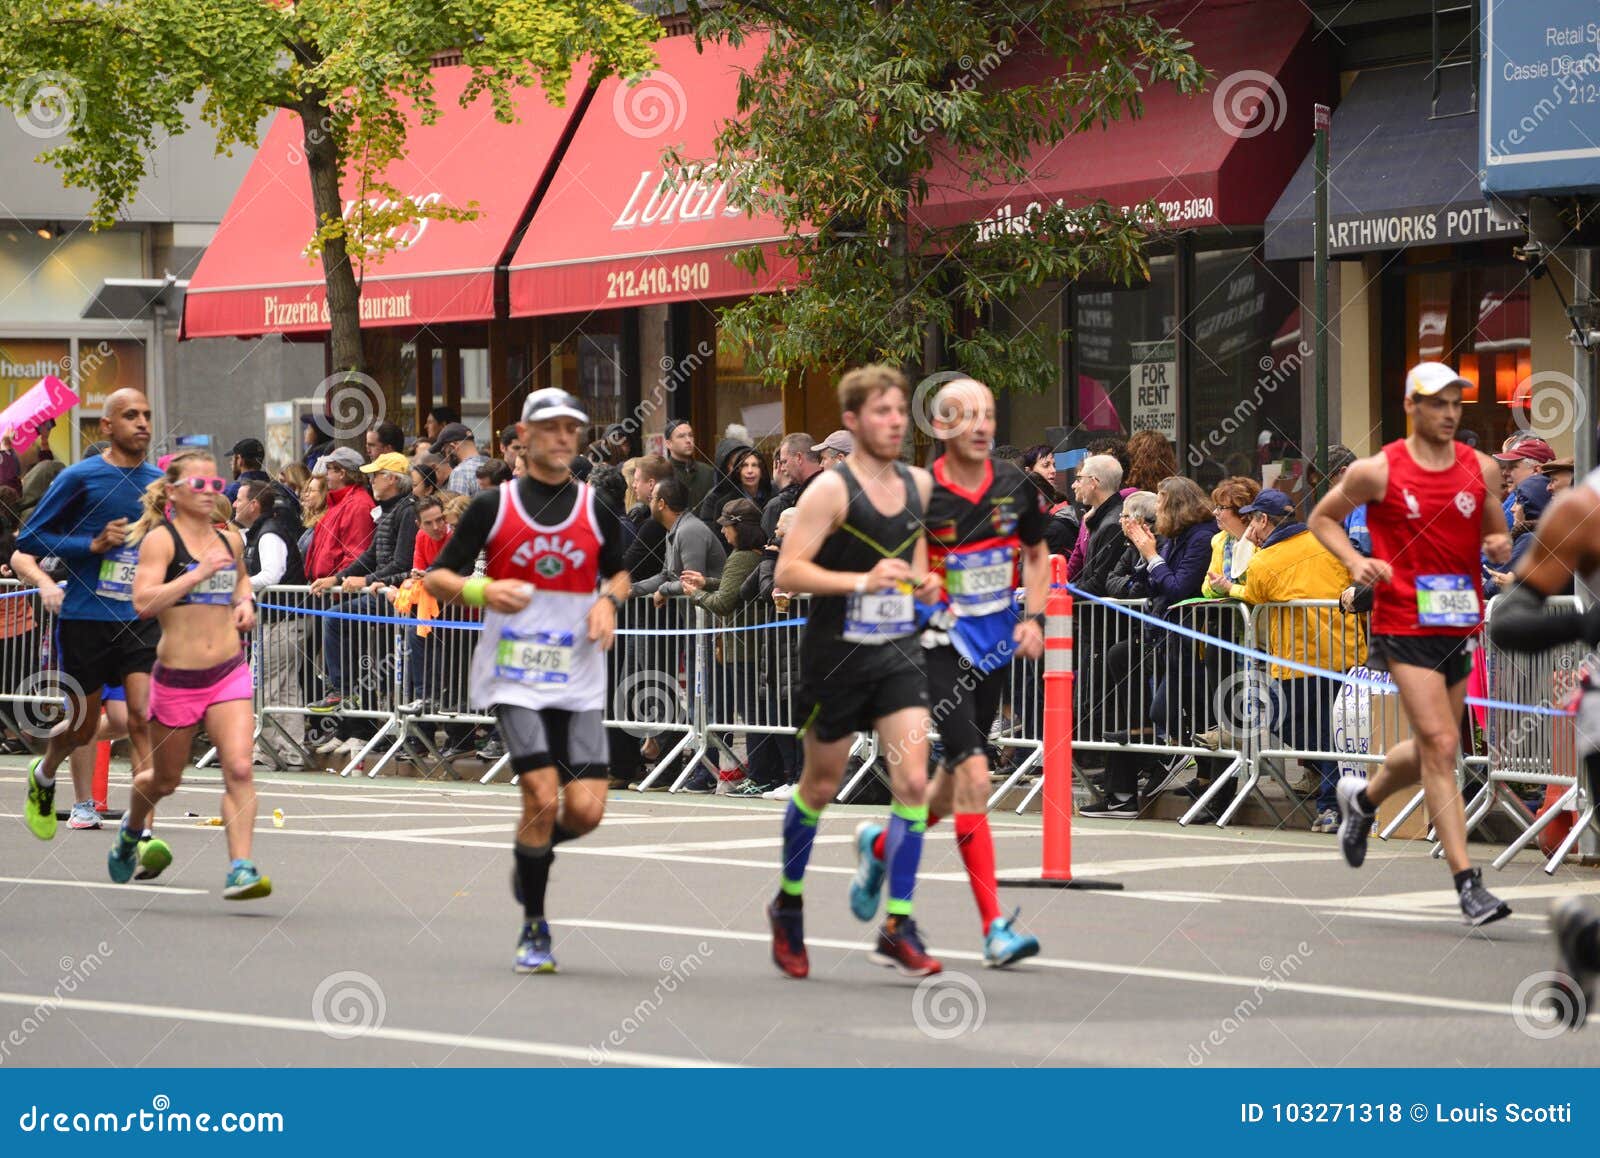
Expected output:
{"points": [[191, 575]]}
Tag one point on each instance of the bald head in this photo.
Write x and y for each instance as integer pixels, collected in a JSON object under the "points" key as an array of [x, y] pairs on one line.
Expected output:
{"points": [[125, 423], [963, 419]]}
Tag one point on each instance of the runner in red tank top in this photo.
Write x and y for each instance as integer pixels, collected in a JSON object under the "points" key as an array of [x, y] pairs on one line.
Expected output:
{"points": [[1432, 506]]}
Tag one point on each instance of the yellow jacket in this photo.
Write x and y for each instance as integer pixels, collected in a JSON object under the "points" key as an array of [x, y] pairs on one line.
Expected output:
{"points": [[1243, 549], [1299, 567]]}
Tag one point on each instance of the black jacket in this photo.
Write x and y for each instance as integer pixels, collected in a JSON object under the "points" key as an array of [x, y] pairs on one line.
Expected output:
{"points": [[647, 554], [389, 556], [287, 528], [1106, 544], [782, 501]]}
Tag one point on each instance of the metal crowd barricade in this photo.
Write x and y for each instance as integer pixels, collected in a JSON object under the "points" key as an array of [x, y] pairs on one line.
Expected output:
{"points": [[30, 684], [658, 695], [752, 666], [1534, 748]]}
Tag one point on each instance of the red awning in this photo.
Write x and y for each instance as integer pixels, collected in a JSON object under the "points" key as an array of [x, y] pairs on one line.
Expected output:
{"points": [[605, 235], [254, 277], [1219, 158]]}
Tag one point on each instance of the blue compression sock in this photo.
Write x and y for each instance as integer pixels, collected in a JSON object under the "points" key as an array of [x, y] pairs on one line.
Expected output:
{"points": [[902, 852], [799, 830]]}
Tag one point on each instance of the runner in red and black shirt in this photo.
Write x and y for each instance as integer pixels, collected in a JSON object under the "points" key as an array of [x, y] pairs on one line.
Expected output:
{"points": [[1430, 515], [984, 519]]}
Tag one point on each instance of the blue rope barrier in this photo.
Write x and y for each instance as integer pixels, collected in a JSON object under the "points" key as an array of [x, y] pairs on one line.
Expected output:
{"points": [[468, 625], [1295, 665]]}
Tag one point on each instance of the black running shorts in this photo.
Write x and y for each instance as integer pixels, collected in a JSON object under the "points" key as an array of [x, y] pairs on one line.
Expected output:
{"points": [[963, 703], [1449, 655], [97, 652], [573, 743], [839, 707]]}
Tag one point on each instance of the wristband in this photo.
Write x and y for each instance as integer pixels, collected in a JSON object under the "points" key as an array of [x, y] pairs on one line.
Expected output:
{"points": [[615, 602], [474, 592], [861, 584], [1038, 617]]}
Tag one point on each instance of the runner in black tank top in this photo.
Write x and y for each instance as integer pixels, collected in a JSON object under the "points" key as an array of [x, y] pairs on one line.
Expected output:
{"points": [[857, 548]]}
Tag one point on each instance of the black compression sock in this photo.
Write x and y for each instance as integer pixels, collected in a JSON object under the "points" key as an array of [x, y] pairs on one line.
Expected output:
{"points": [[560, 834], [1364, 802], [788, 901], [533, 874], [1589, 944], [1462, 878]]}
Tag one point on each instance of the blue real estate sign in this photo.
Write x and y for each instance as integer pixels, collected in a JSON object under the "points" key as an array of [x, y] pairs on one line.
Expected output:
{"points": [[1541, 97]]}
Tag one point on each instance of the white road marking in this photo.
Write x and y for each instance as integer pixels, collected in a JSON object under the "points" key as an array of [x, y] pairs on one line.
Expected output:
{"points": [[102, 885], [1113, 969], [382, 1033]]}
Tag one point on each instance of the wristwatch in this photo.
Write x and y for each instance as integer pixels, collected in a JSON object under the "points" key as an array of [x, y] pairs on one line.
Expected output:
{"points": [[615, 602], [1038, 617]]}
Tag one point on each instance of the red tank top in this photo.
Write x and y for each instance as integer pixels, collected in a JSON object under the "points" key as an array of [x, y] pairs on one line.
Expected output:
{"points": [[560, 558], [1429, 528]]}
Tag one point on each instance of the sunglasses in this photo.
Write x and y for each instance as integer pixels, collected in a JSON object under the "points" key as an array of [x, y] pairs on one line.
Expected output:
{"points": [[203, 483]]}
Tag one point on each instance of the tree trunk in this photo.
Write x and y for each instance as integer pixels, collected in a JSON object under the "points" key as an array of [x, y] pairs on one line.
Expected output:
{"points": [[344, 303]]}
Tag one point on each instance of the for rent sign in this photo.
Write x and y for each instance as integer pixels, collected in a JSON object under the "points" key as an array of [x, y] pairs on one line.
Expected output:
{"points": [[1154, 376]]}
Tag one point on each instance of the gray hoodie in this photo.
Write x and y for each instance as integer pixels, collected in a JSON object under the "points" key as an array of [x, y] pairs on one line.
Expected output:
{"points": [[691, 546]]}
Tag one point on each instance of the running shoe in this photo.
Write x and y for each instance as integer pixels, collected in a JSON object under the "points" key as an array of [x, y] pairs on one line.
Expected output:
{"points": [[246, 884], [154, 857], [700, 783], [533, 949], [747, 788], [328, 703], [901, 948], [123, 857], [329, 745], [1113, 808], [781, 792], [83, 815], [1005, 945], [39, 810], [1327, 821], [1568, 920], [1355, 822], [1478, 905], [868, 881], [789, 940]]}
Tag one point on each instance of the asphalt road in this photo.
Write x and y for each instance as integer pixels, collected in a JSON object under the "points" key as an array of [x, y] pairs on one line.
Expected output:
{"points": [[389, 937]]}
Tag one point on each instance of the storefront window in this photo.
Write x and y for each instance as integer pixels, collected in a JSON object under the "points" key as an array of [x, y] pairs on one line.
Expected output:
{"points": [[742, 398], [590, 366], [104, 366], [1477, 321], [23, 361], [1243, 392], [1126, 336]]}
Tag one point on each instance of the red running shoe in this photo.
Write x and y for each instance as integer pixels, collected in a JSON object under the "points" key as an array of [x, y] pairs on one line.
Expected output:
{"points": [[789, 940], [902, 949]]}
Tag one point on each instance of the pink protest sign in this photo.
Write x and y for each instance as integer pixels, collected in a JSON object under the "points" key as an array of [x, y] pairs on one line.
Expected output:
{"points": [[49, 398]]}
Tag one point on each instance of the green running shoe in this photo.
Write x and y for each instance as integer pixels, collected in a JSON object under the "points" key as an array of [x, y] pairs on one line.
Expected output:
{"points": [[39, 811], [246, 884], [154, 857]]}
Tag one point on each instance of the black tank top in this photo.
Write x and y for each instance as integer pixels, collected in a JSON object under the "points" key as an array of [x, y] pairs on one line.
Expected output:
{"points": [[217, 588], [844, 630]]}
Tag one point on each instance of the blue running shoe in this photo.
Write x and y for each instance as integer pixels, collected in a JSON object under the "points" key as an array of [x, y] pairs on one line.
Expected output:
{"points": [[245, 883], [533, 950], [1004, 945], [123, 857], [868, 881]]}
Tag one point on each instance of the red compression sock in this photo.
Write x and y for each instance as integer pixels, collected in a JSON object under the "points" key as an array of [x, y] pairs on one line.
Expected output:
{"points": [[977, 853]]}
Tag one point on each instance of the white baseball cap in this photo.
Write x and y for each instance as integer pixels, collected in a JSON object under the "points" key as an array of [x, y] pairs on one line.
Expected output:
{"points": [[1428, 378], [552, 402]]}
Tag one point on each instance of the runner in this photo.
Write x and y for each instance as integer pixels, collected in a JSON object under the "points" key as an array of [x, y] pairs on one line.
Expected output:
{"points": [[83, 521], [857, 547], [1429, 517], [982, 515], [191, 575], [554, 583], [1565, 544]]}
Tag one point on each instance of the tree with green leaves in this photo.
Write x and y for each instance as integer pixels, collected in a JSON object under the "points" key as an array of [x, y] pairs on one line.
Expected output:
{"points": [[842, 122], [118, 76]]}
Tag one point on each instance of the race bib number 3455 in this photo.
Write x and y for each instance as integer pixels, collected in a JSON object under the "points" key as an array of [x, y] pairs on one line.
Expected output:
{"points": [[1447, 601]]}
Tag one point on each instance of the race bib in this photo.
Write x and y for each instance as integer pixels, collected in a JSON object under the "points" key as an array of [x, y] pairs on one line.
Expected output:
{"points": [[1447, 601], [980, 582], [534, 657], [216, 588], [879, 616], [116, 574]]}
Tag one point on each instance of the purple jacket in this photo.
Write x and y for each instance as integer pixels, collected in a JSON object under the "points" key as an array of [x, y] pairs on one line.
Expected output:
{"points": [[1180, 568]]}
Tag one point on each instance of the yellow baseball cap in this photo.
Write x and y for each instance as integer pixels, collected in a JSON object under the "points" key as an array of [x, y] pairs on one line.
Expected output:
{"points": [[390, 461]]}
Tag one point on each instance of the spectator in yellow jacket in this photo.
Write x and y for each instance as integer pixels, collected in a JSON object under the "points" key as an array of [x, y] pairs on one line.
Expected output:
{"points": [[1231, 547]]}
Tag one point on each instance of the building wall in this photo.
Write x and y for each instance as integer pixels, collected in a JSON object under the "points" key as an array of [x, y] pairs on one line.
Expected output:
{"points": [[218, 386]]}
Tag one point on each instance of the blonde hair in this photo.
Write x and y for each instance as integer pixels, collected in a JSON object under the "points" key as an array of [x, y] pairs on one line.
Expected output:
{"points": [[295, 476], [154, 499], [454, 504], [222, 511], [311, 513]]}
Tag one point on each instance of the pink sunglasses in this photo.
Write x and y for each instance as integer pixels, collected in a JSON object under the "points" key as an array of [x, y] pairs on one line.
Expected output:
{"points": [[203, 483]]}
